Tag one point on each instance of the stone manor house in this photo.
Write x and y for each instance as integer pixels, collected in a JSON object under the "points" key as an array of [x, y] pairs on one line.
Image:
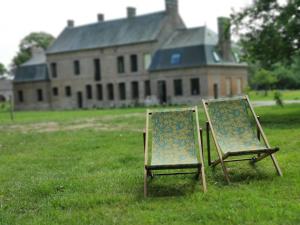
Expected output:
{"points": [[140, 59]]}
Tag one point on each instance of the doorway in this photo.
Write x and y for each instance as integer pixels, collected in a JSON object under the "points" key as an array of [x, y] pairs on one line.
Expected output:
{"points": [[79, 100], [162, 91], [216, 91]]}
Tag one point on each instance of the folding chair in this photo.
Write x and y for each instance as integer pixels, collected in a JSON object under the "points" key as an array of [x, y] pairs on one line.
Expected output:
{"points": [[172, 133], [236, 131]]}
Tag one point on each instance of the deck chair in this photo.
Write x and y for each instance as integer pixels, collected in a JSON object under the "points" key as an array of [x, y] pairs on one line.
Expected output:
{"points": [[173, 134], [236, 132]]}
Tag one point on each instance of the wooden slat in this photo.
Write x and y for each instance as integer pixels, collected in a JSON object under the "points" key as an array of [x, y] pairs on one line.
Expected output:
{"points": [[201, 151], [215, 141], [279, 172]]}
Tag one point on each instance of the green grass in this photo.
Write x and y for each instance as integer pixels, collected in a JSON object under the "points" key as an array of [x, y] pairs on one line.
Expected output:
{"points": [[86, 167], [286, 95]]}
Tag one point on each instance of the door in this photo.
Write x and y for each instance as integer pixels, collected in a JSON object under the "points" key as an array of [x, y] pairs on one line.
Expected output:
{"points": [[216, 92], [162, 92], [79, 100]]}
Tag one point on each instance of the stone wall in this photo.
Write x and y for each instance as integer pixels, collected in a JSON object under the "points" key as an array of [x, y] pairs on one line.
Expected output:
{"points": [[6, 89], [30, 95]]}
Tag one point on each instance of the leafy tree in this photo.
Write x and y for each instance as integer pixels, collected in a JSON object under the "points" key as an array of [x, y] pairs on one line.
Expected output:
{"points": [[285, 77], [269, 31], [40, 39], [2, 69], [295, 69], [264, 79]]}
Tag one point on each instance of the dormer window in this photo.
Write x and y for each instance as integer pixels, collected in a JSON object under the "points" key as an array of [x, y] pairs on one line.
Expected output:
{"points": [[216, 56], [175, 58]]}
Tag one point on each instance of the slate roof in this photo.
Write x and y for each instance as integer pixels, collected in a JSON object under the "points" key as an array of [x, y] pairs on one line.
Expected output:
{"points": [[35, 69], [191, 37], [196, 48], [32, 73], [124, 31], [37, 58]]}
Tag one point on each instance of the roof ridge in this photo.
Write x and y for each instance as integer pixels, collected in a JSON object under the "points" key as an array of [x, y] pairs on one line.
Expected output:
{"points": [[115, 20]]}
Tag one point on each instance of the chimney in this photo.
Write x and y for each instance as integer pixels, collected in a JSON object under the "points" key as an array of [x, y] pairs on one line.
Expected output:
{"points": [[224, 38], [172, 6], [70, 23], [131, 12], [35, 50], [100, 17]]}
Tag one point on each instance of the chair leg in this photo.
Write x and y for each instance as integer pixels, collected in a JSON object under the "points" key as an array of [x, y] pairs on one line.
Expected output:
{"points": [[145, 182], [202, 174], [223, 167], [278, 170]]}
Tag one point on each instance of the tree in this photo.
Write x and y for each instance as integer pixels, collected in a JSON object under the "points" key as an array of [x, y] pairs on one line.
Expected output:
{"points": [[269, 31], [264, 79], [286, 79], [2, 69], [39, 39]]}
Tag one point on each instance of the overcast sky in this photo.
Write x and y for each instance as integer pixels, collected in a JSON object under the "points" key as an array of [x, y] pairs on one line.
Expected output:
{"points": [[20, 17]]}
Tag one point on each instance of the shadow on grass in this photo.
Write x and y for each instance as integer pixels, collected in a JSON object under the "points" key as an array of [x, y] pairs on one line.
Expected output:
{"points": [[172, 186], [238, 175]]}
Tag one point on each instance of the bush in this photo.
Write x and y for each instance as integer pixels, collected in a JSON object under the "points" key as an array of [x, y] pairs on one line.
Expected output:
{"points": [[278, 98]]}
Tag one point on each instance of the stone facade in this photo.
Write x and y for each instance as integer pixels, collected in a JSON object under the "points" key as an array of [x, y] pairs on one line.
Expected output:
{"points": [[6, 90], [32, 95]]}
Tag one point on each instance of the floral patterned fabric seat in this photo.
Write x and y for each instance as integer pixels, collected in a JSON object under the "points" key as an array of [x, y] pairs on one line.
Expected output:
{"points": [[173, 138], [234, 126]]}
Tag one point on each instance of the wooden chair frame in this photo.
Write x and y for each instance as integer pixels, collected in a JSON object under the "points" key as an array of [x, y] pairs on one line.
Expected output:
{"points": [[222, 158], [200, 166]]}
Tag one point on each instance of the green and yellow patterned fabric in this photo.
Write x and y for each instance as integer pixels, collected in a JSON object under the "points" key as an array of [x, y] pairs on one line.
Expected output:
{"points": [[234, 125], [173, 141]]}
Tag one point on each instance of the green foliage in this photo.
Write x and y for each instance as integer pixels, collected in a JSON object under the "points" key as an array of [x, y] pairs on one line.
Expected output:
{"points": [[39, 39], [286, 79], [287, 76], [278, 98], [264, 79], [2, 69], [269, 31], [56, 170], [256, 95]]}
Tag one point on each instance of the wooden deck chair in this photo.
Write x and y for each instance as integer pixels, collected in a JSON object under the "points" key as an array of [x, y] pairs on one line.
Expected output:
{"points": [[172, 133], [236, 131]]}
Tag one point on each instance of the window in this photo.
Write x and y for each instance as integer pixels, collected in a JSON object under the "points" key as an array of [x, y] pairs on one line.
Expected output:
{"points": [[195, 89], [53, 70], [216, 56], [147, 88], [147, 61], [135, 89], [20, 96], [40, 96], [89, 91], [97, 69], [177, 87], [68, 91], [239, 86], [120, 64], [175, 58], [99, 92], [228, 87], [76, 67], [55, 91], [134, 63], [110, 91], [122, 91]]}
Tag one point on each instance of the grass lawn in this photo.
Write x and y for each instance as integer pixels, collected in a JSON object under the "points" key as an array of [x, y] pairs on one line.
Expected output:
{"points": [[86, 167], [286, 95]]}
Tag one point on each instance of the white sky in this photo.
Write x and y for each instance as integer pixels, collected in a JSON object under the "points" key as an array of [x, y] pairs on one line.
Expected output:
{"points": [[20, 17]]}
